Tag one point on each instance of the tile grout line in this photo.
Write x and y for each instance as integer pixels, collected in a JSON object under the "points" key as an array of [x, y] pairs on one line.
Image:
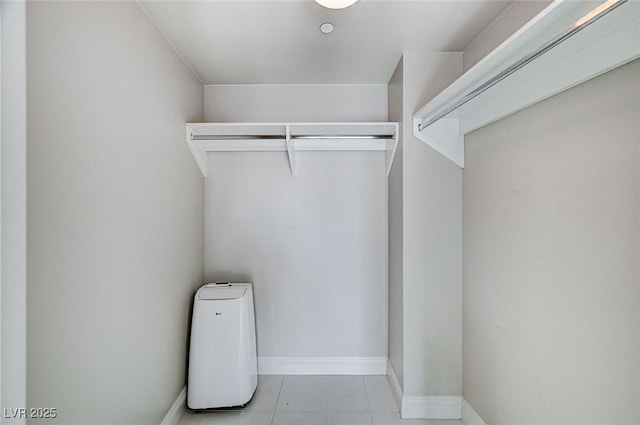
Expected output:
{"points": [[326, 411], [275, 408], [366, 391]]}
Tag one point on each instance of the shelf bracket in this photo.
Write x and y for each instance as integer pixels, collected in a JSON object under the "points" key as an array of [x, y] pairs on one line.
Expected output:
{"points": [[443, 136], [291, 151], [198, 152], [390, 153]]}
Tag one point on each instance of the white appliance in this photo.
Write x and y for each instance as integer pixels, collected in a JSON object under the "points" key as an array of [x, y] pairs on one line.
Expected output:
{"points": [[222, 359]]}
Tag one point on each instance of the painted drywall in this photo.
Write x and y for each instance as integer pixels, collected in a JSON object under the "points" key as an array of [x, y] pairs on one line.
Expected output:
{"points": [[511, 20], [314, 245], [425, 235], [551, 259], [296, 103], [432, 242], [115, 214], [396, 343], [13, 211]]}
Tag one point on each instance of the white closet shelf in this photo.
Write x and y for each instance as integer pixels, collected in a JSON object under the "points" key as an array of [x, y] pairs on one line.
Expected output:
{"points": [[291, 138], [568, 43]]}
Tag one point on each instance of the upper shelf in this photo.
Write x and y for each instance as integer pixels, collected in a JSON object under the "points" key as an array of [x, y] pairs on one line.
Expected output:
{"points": [[568, 43], [291, 137]]}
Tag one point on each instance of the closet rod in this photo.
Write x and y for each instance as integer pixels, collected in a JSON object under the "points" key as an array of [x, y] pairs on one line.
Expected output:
{"points": [[345, 137], [576, 27], [293, 137], [238, 137]]}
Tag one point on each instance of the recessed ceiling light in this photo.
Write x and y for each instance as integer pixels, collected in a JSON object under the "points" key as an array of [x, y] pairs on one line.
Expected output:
{"points": [[336, 4], [326, 28]]}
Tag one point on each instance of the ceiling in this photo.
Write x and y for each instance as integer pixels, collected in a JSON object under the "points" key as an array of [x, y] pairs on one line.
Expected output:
{"points": [[279, 42]]}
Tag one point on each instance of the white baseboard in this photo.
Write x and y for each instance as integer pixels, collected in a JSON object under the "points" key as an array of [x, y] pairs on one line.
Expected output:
{"points": [[423, 407], [322, 365], [470, 416], [396, 389], [175, 413], [431, 407]]}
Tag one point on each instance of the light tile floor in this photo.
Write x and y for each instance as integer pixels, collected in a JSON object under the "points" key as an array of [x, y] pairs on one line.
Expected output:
{"points": [[314, 400]]}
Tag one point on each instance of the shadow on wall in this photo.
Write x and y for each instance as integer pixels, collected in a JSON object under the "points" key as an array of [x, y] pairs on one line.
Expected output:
{"points": [[229, 277]]}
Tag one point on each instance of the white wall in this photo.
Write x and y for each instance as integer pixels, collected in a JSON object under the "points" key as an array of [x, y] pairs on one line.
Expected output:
{"points": [[552, 255], [396, 270], [314, 245], [13, 212], [425, 250], [432, 243], [296, 103], [115, 214]]}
